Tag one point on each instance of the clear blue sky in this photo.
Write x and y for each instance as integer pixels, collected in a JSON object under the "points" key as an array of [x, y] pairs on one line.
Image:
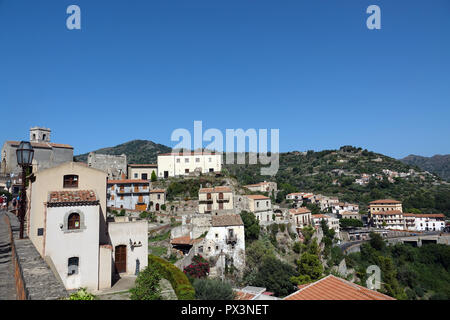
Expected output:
{"points": [[140, 69]]}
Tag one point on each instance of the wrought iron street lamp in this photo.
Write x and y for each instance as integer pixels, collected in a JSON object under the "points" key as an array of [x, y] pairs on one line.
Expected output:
{"points": [[8, 184], [24, 155]]}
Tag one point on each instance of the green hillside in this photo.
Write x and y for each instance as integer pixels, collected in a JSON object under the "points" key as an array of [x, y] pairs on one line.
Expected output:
{"points": [[137, 151]]}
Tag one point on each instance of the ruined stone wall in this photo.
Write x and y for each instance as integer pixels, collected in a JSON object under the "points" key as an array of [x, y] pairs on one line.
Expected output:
{"points": [[113, 165]]}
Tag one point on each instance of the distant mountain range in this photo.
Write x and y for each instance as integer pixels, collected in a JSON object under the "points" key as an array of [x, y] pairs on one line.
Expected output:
{"points": [[438, 164], [137, 151]]}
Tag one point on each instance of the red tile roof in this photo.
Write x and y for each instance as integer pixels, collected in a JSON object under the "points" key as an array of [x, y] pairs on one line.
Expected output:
{"points": [[72, 198], [158, 191], [424, 215], [385, 201], [299, 211], [215, 189], [334, 288], [257, 197], [240, 295], [182, 240], [227, 220], [389, 212]]}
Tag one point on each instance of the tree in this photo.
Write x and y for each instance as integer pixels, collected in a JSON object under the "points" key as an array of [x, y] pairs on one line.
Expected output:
{"points": [[309, 267], [376, 241], [350, 223], [213, 289], [147, 285], [251, 225], [153, 176], [275, 275]]}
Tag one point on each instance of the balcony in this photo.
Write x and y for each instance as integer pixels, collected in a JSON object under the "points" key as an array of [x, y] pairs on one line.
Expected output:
{"points": [[224, 199], [231, 239]]}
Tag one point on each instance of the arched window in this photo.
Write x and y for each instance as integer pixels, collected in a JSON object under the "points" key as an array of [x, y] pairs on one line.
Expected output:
{"points": [[74, 221], [70, 181]]}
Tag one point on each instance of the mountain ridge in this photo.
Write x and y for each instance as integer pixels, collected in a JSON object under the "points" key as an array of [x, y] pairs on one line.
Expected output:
{"points": [[437, 164]]}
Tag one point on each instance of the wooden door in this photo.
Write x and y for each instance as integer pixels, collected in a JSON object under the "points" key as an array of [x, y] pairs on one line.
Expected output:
{"points": [[121, 258]]}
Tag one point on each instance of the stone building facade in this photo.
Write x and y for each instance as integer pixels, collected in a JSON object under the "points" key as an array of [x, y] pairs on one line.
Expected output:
{"points": [[46, 154], [114, 166]]}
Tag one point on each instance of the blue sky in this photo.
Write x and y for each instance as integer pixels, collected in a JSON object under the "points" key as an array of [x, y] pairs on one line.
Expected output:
{"points": [[140, 69]]}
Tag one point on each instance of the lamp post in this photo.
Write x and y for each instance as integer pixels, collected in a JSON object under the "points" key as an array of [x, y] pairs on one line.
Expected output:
{"points": [[25, 155]]}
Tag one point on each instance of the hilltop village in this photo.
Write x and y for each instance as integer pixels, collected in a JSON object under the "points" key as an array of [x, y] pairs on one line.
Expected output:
{"points": [[98, 222]]}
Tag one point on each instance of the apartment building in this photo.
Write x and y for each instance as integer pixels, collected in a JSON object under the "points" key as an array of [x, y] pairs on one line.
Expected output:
{"points": [[181, 164], [214, 200], [424, 222], [385, 205], [392, 219], [128, 194]]}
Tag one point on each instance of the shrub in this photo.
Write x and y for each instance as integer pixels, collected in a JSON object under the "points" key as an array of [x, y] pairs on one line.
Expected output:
{"points": [[147, 285], [213, 289], [199, 268], [81, 294], [180, 283]]}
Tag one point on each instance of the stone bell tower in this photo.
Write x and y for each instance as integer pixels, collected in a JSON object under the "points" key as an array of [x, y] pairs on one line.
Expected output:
{"points": [[38, 134]]}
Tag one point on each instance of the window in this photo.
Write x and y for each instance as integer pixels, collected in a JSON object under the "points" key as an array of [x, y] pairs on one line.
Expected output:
{"points": [[178, 160], [159, 196], [197, 159], [112, 197], [70, 181], [136, 175], [144, 176], [217, 247], [186, 171], [73, 266], [186, 160], [74, 221], [209, 159], [217, 235]]}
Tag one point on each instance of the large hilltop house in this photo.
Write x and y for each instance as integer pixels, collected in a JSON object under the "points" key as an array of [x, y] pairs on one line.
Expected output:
{"points": [[67, 223], [142, 171], [46, 153], [260, 206], [186, 163]]}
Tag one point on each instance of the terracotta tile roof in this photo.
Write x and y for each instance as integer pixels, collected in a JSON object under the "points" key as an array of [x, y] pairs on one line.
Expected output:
{"points": [[389, 212], [334, 288], [227, 220], [257, 197], [182, 240], [257, 184], [158, 191], [385, 201], [46, 145], [320, 216], [241, 295], [72, 198], [143, 165], [299, 211], [127, 181], [215, 189]]}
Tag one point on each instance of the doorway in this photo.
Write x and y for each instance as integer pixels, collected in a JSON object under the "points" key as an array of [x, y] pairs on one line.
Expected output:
{"points": [[121, 258]]}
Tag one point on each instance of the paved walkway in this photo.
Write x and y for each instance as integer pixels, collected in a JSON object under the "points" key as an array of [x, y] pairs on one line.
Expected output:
{"points": [[7, 282]]}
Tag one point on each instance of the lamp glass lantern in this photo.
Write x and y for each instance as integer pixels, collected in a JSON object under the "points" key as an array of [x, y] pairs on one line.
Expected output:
{"points": [[25, 154], [8, 184]]}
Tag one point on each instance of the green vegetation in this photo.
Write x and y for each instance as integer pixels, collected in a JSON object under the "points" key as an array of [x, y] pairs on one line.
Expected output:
{"points": [[350, 223], [199, 268], [157, 251], [160, 237], [147, 285], [251, 226], [213, 289], [180, 283], [407, 272], [137, 151], [313, 172], [82, 294], [153, 177]]}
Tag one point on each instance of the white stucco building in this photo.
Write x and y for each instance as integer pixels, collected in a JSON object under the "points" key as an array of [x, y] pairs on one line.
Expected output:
{"points": [[300, 217], [332, 223], [142, 171], [424, 222], [225, 241], [181, 164]]}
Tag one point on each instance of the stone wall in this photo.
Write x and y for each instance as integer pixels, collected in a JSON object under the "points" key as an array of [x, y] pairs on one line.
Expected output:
{"points": [[34, 278], [114, 166]]}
